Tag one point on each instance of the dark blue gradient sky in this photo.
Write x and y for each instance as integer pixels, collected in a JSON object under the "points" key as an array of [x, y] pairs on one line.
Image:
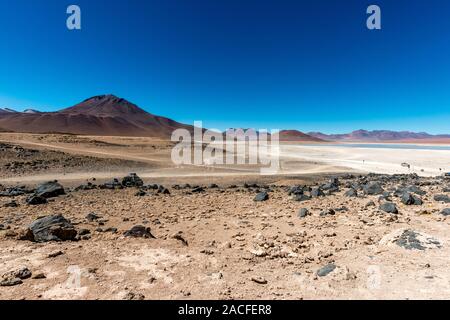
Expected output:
{"points": [[307, 65]]}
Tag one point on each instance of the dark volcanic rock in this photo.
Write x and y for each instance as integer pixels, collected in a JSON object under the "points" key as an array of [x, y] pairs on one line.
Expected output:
{"points": [[132, 180], [11, 204], [446, 212], [91, 217], [198, 190], [410, 240], [442, 198], [36, 200], [301, 197], [328, 212], [373, 188], [50, 189], [14, 192], [332, 186], [389, 207], [140, 193], [410, 199], [317, 192], [303, 213], [163, 190], [139, 232], [326, 270], [351, 193], [50, 228], [262, 196], [10, 282], [88, 186], [295, 190], [111, 185]]}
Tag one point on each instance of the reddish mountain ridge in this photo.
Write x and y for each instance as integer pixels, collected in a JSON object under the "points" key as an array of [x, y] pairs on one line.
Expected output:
{"points": [[378, 135], [105, 115], [298, 136]]}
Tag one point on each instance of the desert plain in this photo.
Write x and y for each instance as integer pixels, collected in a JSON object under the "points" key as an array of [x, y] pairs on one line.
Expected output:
{"points": [[334, 223]]}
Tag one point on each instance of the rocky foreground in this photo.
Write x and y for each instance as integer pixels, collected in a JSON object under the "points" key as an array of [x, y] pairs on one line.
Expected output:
{"points": [[360, 237]]}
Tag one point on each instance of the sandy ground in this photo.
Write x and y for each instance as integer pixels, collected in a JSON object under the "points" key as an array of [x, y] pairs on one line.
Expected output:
{"points": [[235, 248]]}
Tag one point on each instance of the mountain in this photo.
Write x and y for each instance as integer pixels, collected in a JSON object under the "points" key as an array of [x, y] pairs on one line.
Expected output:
{"points": [[7, 111], [30, 111], [297, 136], [378, 135], [99, 115]]}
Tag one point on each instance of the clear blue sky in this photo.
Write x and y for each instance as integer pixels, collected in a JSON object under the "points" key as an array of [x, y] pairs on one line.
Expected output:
{"points": [[307, 65]]}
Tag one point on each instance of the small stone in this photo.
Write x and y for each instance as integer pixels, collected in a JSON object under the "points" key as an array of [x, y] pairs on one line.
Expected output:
{"points": [[326, 270], [259, 280], [262, 196], [303, 213]]}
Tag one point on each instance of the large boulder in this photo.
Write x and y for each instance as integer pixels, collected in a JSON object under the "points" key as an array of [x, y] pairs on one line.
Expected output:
{"points": [[50, 228], [446, 212], [411, 199], [132, 180], [373, 188], [50, 189]]}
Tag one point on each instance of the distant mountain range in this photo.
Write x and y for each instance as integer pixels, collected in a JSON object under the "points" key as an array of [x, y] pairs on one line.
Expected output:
{"points": [[378, 135], [108, 115]]}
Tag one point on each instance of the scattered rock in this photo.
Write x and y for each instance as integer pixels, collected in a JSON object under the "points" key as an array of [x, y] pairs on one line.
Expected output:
{"points": [[351, 193], [446, 212], [179, 236], [140, 193], [324, 271], [259, 280], [11, 204], [50, 228], [442, 198], [301, 197], [91, 217], [317, 192], [55, 254], [132, 180], [303, 213], [389, 207], [133, 296], [50, 189], [39, 276], [410, 199], [328, 212], [262, 196], [373, 188], [112, 185], [139, 232], [36, 200]]}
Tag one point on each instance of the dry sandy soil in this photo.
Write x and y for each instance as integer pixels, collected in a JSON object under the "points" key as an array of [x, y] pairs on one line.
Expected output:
{"points": [[217, 243]]}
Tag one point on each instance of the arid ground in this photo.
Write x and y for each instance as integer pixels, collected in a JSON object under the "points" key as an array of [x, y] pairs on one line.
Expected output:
{"points": [[222, 232]]}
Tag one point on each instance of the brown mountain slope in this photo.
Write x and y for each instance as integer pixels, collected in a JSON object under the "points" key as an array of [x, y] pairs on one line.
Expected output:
{"points": [[297, 136], [101, 115]]}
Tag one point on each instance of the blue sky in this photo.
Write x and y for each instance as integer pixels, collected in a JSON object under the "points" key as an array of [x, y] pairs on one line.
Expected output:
{"points": [[308, 65]]}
